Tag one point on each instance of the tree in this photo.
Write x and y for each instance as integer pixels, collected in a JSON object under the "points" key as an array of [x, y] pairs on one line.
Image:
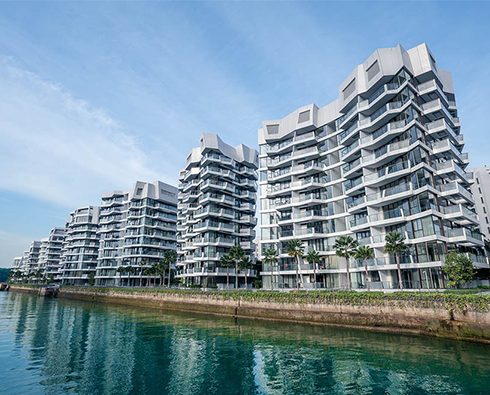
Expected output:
{"points": [[142, 265], [171, 258], [120, 270], [225, 261], [295, 249], [459, 269], [313, 258], [364, 253], [270, 258], [236, 254], [38, 274], [245, 263], [395, 245], [130, 270], [345, 247], [161, 269], [91, 279]]}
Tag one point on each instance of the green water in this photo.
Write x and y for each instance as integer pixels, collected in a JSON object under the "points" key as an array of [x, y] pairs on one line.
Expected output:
{"points": [[55, 346]]}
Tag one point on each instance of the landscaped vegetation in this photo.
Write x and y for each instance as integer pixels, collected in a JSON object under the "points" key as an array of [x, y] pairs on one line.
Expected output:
{"points": [[450, 300]]}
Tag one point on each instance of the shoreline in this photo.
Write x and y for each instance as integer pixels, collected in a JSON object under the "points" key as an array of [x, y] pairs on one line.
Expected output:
{"points": [[451, 316]]}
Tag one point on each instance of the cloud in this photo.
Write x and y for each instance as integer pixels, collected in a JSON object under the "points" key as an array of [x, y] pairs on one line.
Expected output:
{"points": [[12, 245], [58, 148]]}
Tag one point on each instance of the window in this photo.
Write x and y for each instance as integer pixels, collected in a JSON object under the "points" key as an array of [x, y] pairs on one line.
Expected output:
{"points": [[304, 116], [273, 129], [373, 70], [349, 89], [139, 191]]}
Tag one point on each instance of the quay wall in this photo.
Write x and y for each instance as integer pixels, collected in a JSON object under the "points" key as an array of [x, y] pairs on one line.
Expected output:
{"points": [[446, 316]]}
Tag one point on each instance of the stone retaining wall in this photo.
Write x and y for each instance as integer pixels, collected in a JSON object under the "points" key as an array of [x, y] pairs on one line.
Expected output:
{"points": [[388, 316]]}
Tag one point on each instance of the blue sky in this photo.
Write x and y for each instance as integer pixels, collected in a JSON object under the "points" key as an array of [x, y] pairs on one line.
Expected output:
{"points": [[96, 95]]}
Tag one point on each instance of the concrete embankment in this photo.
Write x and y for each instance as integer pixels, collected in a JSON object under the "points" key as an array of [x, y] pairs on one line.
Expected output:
{"points": [[465, 317]]}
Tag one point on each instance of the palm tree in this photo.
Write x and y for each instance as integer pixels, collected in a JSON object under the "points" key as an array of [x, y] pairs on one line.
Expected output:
{"points": [[313, 257], [130, 270], [236, 254], [121, 270], [170, 256], [225, 261], [245, 263], [345, 247], [395, 245], [364, 253], [295, 249], [161, 270], [142, 265], [38, 274], [270, 258]]}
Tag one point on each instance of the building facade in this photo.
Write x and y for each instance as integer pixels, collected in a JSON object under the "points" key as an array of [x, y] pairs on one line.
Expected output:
{"points": [[30, 261], [50, 254], [81, 246], [216, 210], [136, 229], [385, 156], [481, 193]]}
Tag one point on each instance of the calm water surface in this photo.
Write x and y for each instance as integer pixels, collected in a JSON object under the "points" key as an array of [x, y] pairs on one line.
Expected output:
{"points": [[60, 347]]}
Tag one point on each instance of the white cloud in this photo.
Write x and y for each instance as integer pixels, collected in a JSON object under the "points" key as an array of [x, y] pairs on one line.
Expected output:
{"points": [[12, 245], [58, 148]]}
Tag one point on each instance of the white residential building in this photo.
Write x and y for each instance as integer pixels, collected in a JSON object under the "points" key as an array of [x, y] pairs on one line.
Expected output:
{"points": [[481, 194], [30, 261], [81, 246], [50, 253], [17, 265], [385, 156], [136, 228], [216, 210]]}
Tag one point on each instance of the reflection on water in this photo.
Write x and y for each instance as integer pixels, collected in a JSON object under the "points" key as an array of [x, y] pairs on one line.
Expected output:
{"points": [[59, 346]]}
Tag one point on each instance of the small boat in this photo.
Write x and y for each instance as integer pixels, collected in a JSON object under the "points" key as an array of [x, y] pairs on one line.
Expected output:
{"points": [[49, 291]]}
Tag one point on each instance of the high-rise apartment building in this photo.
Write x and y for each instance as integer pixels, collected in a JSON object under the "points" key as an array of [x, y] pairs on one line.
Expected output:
{"points": [[81, 246], [385, 156], [17, 265], [50, 254], [136, 228], [30, 261], [481, 194], [216, 210]]}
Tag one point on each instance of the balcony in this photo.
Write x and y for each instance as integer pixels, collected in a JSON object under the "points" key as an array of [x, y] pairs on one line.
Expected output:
{"points": [[463, 236]]}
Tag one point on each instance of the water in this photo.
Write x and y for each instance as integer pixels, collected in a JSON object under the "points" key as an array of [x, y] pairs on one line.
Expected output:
{"points": [[56, 346]]}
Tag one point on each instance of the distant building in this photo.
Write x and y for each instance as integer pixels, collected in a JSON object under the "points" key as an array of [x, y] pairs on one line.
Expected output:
{"points": [[136, 228], [50, 254], [31, 258], [481, 194], [216, 210], [81, 246]]}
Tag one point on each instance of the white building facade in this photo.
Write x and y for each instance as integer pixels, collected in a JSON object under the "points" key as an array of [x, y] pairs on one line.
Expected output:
{"points": [[136, 229], [216, 210], [50, 254], [385, 156], [481, 194], [81, 246]]}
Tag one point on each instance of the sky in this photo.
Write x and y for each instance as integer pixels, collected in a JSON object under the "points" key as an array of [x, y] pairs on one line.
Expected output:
{"points": [[97, 95]]}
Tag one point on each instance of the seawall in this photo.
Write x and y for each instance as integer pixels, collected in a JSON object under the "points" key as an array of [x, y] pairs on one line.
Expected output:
{"points": [[463, 317]]}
